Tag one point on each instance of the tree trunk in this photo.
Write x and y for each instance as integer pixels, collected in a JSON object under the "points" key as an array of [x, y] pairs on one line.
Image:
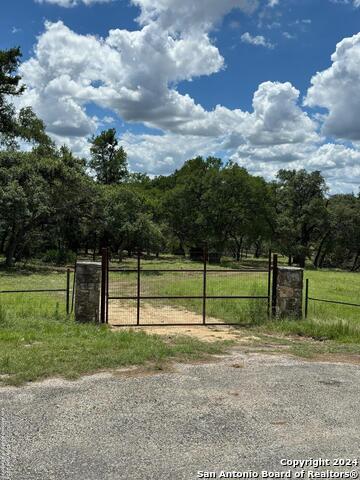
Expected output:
{"points": [[3, 240], [10, 252], [355, 267], [300, 260], [318, 253], [257, 249]]}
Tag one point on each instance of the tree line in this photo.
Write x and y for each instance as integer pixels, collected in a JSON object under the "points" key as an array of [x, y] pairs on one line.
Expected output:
{"points": [[54, 205]]}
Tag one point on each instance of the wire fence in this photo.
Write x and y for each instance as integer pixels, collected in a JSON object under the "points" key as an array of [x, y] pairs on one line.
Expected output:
{"points": [[45, 301], [145, 295], [330, 308]]}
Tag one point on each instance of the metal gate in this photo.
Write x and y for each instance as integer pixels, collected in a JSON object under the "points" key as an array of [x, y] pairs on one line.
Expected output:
{"points": [[142, 295]]}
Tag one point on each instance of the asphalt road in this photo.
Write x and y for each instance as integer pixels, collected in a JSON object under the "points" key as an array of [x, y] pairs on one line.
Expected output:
{"points": [[243, 412]]}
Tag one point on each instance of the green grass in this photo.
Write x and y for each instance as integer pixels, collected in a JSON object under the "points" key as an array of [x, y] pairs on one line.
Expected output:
{"points": [[37, 340], [33, 347]]}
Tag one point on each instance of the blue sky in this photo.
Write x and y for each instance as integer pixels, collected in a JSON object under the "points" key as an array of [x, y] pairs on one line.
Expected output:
{"points": [[181, 81]]}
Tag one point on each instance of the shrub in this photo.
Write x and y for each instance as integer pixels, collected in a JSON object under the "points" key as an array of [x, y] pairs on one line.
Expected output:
{"points": [[59, 257]]}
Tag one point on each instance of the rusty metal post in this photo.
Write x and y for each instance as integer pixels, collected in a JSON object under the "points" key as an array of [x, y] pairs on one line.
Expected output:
{"points": [[205, 254], [306, 298], [107, 289], [274, 284], [269, 283], [68, 291], [104, 268], [138, 288]]}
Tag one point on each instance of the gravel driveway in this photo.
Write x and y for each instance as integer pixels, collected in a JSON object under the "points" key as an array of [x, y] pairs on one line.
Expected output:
{"points": [[245, 411]]}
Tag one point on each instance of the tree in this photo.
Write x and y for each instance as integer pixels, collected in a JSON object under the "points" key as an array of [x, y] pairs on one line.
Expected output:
{"points": [[301, 211], [42, 203], [185, 206], [23, 124], [107, 159], [9, 86], [243, 202], [128, 223], [339, 243]]}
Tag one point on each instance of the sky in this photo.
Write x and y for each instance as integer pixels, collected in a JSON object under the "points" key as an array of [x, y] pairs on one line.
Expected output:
{"points": [[268, 84]]}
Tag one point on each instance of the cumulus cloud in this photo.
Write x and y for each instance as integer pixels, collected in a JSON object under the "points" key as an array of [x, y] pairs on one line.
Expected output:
{"points": [[133, 75], [72, 3], [339, 164], [161, 154], [189, 15], [337, 90], [258, 40]]}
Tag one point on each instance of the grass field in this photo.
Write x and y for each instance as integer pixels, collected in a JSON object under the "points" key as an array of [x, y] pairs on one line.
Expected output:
{"points": [[38, 340]]}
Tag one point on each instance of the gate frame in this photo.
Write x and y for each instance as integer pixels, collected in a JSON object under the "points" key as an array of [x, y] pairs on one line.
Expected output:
{"points": [[104, 317]]}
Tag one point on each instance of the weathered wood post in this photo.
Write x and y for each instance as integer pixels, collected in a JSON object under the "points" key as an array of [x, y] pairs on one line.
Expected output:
{"points": [[289, 292], [87, 292]]}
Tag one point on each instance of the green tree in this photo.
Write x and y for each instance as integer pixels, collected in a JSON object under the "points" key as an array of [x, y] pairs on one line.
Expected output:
{"points": [[128, 222], [9, 86], [301, 211], [42, 203], [339, 243], [23, 124], [108, 160]]}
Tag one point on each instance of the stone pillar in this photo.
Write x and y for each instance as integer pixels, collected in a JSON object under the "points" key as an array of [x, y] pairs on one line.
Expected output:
{"points": [[87, 291], [289, 292]]}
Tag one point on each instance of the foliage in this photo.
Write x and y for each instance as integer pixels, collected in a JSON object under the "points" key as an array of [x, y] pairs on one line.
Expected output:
{"points": [[107, 159], [301, 211], [49, 201]]}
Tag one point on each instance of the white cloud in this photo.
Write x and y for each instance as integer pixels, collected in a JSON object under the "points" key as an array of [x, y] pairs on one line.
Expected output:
{"points": [[337, 90], [72, 3], [258, 40], [133, 76], [161, 154], [189, 15], [339, 164]]}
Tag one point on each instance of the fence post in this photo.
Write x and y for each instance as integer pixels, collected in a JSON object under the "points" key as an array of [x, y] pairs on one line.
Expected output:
{"points": [[205, 253], [87, 295], [274, 285], [104, 267], [107, 288], [68, 291], [269, 284], [290, 292], [138, 288], [306, 297]]}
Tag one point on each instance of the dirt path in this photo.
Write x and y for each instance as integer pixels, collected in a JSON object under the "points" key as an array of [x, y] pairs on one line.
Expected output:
{"points": [[121, 313], [164, 314]]}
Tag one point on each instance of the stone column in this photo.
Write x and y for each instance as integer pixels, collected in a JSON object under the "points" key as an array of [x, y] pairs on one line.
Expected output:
{"points": [[87, 291], [289, 292]]}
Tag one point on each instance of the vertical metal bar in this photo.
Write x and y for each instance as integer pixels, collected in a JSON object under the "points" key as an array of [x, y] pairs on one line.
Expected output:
{"points": [[138, 289], [73, 290], [269, 284], [205, 253], [107, 288], [68, 291], [104, 264], [274, 284], [306, 298]]}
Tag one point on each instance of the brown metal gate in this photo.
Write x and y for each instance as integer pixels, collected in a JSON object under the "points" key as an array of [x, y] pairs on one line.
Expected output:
{"points": [[128, 293]]}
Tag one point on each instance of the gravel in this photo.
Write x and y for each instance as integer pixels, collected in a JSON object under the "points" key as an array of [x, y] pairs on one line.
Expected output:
{"points": [[244, 411]]}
